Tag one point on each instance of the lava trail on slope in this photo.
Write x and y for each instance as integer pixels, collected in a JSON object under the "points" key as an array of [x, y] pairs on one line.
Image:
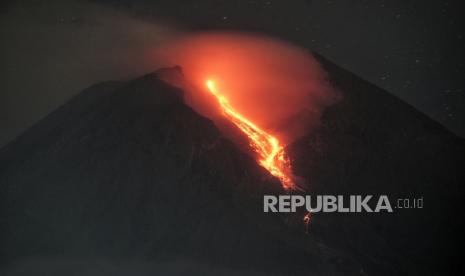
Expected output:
{"points": [[270, 151]]}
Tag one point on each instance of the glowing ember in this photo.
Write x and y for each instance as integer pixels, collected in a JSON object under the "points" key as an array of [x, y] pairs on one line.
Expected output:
{"points": [[271, 153], [307, 218]]}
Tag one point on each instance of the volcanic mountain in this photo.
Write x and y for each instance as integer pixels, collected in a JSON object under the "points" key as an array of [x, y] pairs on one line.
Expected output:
{"points": [[126, 179]]}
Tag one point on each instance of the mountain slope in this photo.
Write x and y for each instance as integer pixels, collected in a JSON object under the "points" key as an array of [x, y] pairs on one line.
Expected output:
{"points": [[126, 178], [373, 143], [126, 172]]}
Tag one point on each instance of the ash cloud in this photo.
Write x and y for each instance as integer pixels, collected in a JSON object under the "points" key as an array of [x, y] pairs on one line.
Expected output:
{"points": [[277, 85], [52, 50]]}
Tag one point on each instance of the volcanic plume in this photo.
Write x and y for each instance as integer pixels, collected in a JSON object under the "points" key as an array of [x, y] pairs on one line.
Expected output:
{"points": [[277, 85], [279, 89]]}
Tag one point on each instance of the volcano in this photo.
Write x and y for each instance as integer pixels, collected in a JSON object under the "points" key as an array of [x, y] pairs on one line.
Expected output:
{"points": [[126, 179]]}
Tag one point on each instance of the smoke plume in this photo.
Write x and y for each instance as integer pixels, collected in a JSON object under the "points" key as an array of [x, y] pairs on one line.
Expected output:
{"points": [[276, 85], [54, 49]]}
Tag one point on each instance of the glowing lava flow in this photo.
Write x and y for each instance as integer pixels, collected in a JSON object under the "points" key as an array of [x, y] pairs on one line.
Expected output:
{"points": [[306, 219], [271, 153]]}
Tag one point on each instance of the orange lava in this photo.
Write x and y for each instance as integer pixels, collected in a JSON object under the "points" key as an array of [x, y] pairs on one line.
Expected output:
{"points": [[271, 153], [307, 218]]}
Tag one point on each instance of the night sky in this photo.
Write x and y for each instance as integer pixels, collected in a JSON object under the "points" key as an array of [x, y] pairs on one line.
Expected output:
{"points": [[51, 50]]}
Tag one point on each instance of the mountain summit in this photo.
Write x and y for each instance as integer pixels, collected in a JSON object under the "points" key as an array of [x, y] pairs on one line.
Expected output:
{"points": [[127, 179]]}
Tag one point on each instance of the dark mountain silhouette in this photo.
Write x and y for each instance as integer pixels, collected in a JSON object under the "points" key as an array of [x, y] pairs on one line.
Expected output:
{"points": [[373, 143], [125, 179]]}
